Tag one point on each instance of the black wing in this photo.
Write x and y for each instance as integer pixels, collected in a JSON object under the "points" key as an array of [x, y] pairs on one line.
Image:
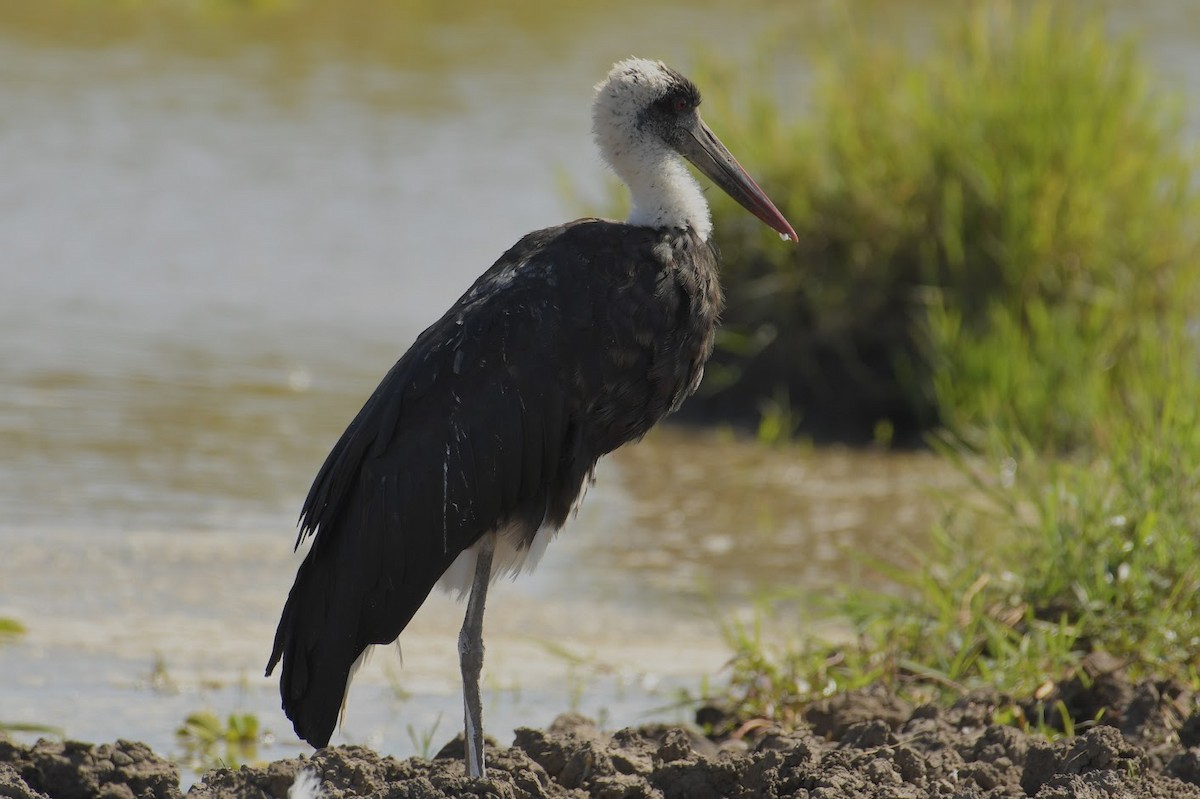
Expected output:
{"points": [[469, 430], [574, 342]]}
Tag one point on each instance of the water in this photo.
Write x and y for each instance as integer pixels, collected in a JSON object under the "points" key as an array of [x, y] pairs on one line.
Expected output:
{"points": [[219, 225]]}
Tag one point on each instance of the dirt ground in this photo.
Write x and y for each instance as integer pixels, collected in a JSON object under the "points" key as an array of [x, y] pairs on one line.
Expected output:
{"points": [[864, 744]]}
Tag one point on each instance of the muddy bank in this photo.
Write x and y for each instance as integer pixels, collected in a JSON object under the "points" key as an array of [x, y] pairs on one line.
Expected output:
{"points": [[865, 744]]}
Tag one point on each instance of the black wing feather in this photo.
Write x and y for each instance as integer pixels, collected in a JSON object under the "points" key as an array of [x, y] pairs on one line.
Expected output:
{"points": [[576, 341]]}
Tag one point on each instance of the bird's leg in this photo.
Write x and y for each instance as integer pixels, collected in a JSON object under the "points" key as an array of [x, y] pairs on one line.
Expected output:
{"points": [[470, 654]]}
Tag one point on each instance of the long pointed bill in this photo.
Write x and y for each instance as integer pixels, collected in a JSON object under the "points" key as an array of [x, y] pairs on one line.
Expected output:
{"points": [[702, 147]]}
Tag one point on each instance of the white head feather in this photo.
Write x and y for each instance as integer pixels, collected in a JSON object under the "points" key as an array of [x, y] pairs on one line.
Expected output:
{"points": [[664, 193]]}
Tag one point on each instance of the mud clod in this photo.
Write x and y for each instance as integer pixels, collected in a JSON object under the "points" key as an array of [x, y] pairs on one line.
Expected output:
{"points": [[862, 745], [70, 769]]}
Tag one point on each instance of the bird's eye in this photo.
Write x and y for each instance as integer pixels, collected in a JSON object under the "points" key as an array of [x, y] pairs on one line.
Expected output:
{"points": [[680, 105]]}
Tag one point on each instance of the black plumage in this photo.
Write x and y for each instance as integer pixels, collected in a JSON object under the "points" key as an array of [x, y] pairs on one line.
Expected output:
{"points": [[577, 340]]}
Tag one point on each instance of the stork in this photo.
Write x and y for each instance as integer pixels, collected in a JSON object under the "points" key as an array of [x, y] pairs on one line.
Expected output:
{"points": [[477, 445]]}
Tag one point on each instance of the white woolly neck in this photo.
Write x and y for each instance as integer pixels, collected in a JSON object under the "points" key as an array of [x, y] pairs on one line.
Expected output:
{"points": [[663, 190]]}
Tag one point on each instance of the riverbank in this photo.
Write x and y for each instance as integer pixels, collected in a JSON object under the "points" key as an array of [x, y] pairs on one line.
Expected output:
{"points": [[860, 744]]}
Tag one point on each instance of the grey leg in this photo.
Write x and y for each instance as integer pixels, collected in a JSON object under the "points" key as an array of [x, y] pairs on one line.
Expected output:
{"points": [[470, 654]]}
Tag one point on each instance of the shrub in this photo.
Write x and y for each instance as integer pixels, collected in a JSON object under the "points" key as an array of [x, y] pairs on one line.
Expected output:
{"points": [[1051, 560], [983, 229]]}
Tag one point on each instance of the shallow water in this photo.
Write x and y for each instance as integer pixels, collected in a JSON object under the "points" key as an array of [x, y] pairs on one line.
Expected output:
{"points": [[220, 225]]}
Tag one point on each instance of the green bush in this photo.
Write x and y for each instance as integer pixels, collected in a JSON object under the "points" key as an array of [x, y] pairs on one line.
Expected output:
{"points": [[984, 226], [997, 237], [1041, 563]]}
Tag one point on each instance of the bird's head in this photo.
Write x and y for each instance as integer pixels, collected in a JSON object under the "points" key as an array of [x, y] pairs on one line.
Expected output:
{"points": [[644, 109]]}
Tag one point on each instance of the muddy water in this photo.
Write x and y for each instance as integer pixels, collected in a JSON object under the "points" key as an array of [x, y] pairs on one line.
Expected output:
{"points": [[219, 224]]}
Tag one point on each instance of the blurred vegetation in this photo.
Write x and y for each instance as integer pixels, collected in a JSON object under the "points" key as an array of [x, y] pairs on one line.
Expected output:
{"points": [[281, 42], [10, 629], [208, 743], [1049, 561], [422, 740], [30, 727], [984, 228], [998, 236]]}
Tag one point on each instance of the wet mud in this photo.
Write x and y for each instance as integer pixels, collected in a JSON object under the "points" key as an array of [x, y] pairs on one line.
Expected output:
{"points": [[863, 744]]}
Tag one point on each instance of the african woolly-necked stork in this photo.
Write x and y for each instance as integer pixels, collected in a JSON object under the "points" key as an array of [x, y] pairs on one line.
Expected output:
{"points": [[475, 448]]}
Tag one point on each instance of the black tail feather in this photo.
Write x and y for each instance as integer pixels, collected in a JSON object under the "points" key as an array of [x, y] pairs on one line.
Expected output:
{"points": [[317, 654]]}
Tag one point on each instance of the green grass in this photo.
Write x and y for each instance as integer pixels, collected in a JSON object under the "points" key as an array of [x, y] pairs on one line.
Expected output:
{"points": [[423, 739], [983, 226], [10, 629], [1014, 217], [1039, 563], [207, 742], [30, 727]]}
